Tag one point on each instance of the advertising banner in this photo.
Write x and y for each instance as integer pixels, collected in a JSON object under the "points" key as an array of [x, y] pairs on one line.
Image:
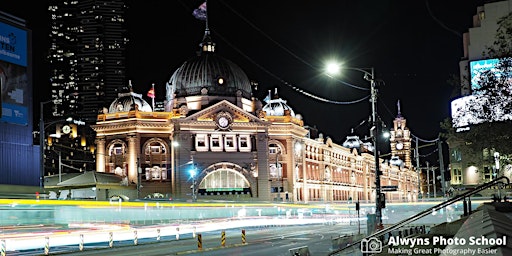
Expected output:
{"points": [[13, 75]]}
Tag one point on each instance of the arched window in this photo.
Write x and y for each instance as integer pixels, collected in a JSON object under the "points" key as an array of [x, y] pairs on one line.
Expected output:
{"points": [[224, 180]]}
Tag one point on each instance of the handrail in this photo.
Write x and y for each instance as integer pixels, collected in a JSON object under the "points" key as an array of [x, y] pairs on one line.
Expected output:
{"points": [[428, 211]]}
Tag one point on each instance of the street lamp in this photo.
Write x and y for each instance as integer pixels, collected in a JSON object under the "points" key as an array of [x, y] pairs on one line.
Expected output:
{"points": [[497, 164], [193, 187], [279, 176], [333, 69], [41, 140]]}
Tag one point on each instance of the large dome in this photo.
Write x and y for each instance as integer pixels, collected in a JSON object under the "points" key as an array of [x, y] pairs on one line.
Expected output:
{"points": [[127, 101], [218, 75], [278, 107], [208, 74]]}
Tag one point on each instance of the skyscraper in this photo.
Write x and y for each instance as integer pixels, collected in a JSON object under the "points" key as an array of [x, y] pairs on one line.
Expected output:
{"points": [[87, 55], [87, 70]]}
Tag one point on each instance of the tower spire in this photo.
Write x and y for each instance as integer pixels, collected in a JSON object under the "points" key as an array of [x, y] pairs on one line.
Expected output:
{"points": [[201, 13], [398, 105]]}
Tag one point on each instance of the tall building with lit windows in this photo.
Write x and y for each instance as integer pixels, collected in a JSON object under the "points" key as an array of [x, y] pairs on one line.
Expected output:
{"points": [[87, 55], [215, 140], [87, 69]]}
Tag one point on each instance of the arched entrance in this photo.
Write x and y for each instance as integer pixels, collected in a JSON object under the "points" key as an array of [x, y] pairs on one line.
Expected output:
{"points": [[225, 179]]}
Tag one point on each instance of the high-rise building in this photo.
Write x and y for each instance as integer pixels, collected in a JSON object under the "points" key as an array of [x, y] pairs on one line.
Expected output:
{"points": [[87, 70], [19, 163], [474, 107], [86, 55]]}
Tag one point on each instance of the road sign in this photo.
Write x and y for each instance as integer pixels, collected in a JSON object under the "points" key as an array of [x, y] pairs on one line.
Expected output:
{"points": [[389, 188]]}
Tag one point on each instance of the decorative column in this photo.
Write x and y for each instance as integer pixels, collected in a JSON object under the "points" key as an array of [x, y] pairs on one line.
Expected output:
{"points": [[100, 154], [173, 166], [305, 189], [365, 181], [132, 158]]}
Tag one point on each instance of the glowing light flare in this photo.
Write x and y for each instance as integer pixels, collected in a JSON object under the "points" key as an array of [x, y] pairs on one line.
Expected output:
{"points": [[333, 68]]}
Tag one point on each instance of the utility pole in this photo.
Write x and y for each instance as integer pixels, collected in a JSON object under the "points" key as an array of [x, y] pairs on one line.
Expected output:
{"points": [[441, 166], [418, 169], [434, 178], [428, 180], [278, 175]]}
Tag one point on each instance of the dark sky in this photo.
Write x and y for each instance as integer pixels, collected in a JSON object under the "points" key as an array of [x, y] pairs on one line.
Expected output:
{"points": [[414, 47]]}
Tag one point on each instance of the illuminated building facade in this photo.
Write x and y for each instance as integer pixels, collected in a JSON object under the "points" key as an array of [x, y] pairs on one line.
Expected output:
{"points": [[216, 141], [470, 167]]}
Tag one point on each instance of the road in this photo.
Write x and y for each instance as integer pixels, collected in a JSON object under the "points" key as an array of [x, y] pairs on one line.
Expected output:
{"points": [[275, 241]]}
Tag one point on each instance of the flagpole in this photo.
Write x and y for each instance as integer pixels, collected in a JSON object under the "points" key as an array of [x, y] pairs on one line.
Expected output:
{"points": [[153, 98]]}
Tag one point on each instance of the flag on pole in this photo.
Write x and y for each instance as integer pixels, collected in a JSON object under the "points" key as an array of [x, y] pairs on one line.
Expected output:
{"points": [[200, 12], [151, 93]]}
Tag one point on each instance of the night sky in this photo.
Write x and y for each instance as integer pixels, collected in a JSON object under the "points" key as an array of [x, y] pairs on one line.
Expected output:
{"points": [[414, 47]]}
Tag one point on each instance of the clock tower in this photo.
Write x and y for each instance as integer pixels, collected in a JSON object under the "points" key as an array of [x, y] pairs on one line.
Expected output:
{"points": [[401, 140]]}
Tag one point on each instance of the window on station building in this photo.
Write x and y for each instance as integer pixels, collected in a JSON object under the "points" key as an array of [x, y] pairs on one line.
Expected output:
{"points": [[117, 149], [244, 143], [216, 142], [229, 143], [202, 142]]}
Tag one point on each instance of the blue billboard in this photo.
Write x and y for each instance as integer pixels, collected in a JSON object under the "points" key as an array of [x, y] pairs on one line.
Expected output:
{"points": [[14, 82]]}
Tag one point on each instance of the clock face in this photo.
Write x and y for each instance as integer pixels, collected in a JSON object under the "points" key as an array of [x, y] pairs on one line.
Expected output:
{"points": [[223, 122], [399, 146], [66, 129]]}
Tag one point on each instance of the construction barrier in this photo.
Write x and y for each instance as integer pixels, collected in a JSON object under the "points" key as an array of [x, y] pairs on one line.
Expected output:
{"points": [[47, 246], [110, 239], [243, 236], [3, 248], [81, 245], [199, 242], [223, 238]]}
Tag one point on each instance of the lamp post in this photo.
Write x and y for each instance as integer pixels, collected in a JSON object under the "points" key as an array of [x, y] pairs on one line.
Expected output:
{"points": [[193, 187], [369, 75], [279, 176], [41, 140]]}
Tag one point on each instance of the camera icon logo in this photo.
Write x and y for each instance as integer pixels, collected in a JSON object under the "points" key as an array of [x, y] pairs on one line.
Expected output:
{"points": [[371, 245]]}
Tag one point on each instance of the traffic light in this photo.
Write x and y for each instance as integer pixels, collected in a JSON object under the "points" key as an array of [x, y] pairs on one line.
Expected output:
{"points": [[357, 206]]}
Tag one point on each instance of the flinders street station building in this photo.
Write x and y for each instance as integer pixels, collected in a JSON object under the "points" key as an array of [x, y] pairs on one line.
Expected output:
{"points": [[215, 140]]}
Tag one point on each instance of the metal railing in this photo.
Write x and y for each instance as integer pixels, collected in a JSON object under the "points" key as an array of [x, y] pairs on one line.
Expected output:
{"points": [[468, 194]]}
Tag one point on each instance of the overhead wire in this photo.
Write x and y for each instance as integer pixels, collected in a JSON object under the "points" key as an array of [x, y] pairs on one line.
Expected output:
{"points": [[297, 89]]}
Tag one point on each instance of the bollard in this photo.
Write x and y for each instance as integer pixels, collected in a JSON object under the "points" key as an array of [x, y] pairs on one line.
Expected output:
{"points": [[223, 238], [194, 232], [135, 239], [81, 245], [110, 239], [158, 234], [177, 233], [3, 248], [199, 242], [243, 236], [47, 246]]}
